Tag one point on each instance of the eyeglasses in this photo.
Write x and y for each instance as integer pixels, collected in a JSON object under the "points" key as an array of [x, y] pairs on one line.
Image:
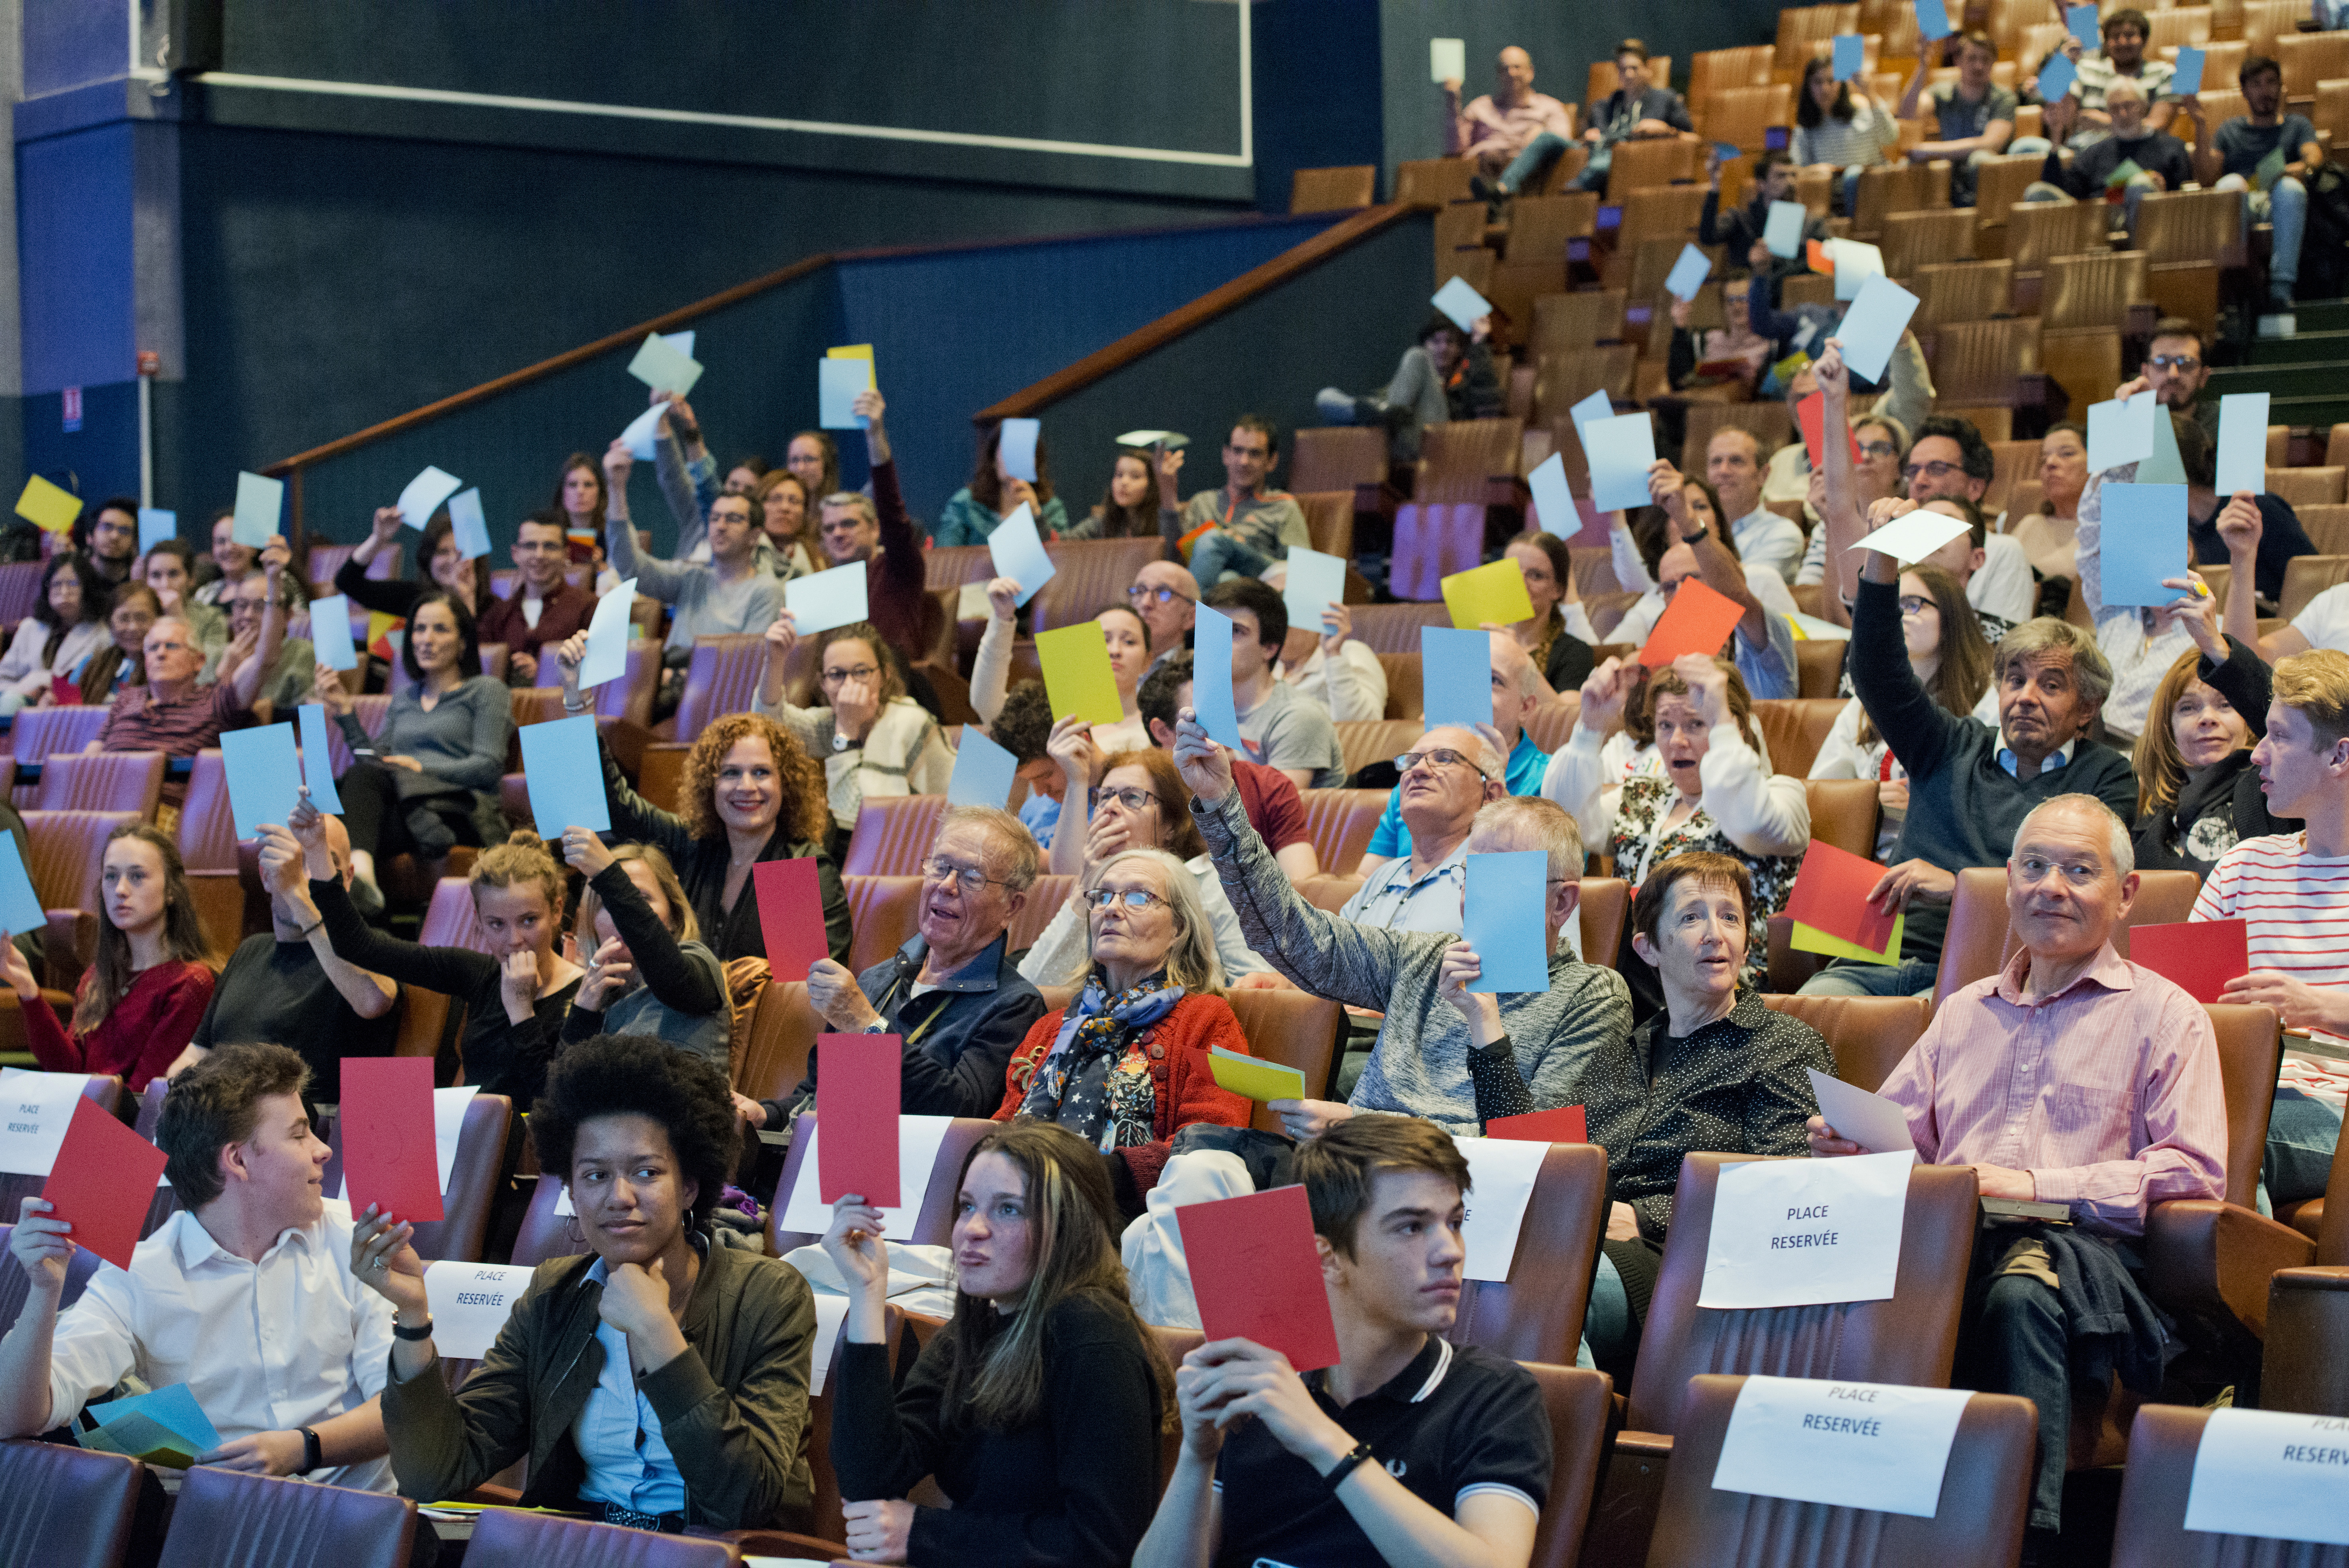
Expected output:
{"points": [[1936, 469], [860, 672], [1439, 757], [970, 877], [1141, 596], [1915, 603], [103, 526], [1879, 449], [2172, 361], [1132, 898], [1131, 799]]}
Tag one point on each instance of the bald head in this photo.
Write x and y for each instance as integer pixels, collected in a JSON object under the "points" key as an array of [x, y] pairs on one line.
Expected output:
{"points": [[1513, 74]]}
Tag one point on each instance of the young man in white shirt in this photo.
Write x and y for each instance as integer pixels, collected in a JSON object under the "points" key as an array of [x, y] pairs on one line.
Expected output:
{"points": [[245, 1295]]}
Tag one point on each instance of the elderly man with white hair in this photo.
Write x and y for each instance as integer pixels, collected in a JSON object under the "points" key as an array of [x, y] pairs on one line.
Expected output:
{"points": [[2071, 1076]]}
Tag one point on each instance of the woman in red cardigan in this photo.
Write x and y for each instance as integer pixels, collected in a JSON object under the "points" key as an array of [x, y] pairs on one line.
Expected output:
{"points": [[140, 1003], [1125, 1063]]}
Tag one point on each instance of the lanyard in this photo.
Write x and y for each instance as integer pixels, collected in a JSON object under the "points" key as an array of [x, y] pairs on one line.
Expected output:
{"points": [[923, 1027]]}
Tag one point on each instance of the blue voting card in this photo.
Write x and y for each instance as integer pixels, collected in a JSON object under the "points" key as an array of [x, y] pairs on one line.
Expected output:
{"points": [[2186, 79], [1018, 551], [155, 526], [1688, 274], [1597, 406], [827, 599], [2120, 433], [982, 772], [1017, 448], [330, 632], [2164, 465], [2080, 21], [606, 658], [1502, 919], [1850, 55], [2243, 443], [466, 522], [2144, 542], [642, 431], [318, 759], [1782, 230], [837, 382], [1933, 20], [259, 500], [1459, 300], [1455, 675], [1211, 679], [20, 907], [2056, 74], [1621, 450], [1316, 581], [1871, 328], [565, 776], [424, 494], [265, 776], [1553, 501]]}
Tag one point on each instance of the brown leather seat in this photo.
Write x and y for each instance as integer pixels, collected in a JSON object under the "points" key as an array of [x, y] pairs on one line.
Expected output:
{"points": [[38, 732], [1406, 686], [1575, 1401], [783, 1028], [207, 839], [2307, 1366], [544, 1233], [935, 1223], [1985, 1499], [508, 1537], [1796, 729], [67, 1508], [892, 836], [1090, 575], [106, 1093], [1844, 813], [1869, 1034], [1340, 822], [102, 781], [1394, 628], [2151, 1529], [1368, 741], [1605, 912], [68, 851], [1910, 1338], [1818, 665], [1535, 1314], [1338, 458], [1295, 1029], [882, 911], [1044, 901], [226, 1519], [1979, 942], [473, 1182]]}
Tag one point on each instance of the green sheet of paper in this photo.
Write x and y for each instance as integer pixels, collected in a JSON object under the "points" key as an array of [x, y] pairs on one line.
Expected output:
{"points": [[2165, 466], [1811, 940], [2126, 171], [1254, 1077], [2269, 169]]}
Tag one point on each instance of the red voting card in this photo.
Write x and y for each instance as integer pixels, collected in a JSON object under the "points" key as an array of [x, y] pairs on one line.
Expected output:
{"points": [[1830, 893], [2200, 956], [102, 1182], [856, 1108], [1698, 620], [1565, 1124], [1257, 1275], [791, 914], [387, 1133], [1811, 414]]}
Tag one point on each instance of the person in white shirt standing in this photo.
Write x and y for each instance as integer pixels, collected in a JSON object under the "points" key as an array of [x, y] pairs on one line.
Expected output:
{"points": [[245, 1295]]}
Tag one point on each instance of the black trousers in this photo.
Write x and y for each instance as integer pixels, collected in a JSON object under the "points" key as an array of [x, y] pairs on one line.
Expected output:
{"points": [[378, 820]]}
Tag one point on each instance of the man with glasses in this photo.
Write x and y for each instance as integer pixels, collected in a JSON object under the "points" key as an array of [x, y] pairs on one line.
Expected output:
{"points": [[544, 607], [730, 595], [108, 537], [292, 679], [1166, 597], [1244, 530], [171, 713], [948, 994], [1949, 460], [2100, 70], [2175, 371], [1514, 701]]}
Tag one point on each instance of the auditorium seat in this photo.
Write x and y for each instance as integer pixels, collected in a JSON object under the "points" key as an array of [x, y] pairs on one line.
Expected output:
{"points": [[544, 1233], [15, 1286], [1869, 1034], [1338, 458], [1795, 731], [1406, 694], [884, 911], [102, 781], [73, 1507], [1535, 1314], [1088, 575], [67, 853], [783, 1028], [1844, 813], [1395, 627], [1551, 725], [722, 678], [20, 590], [1332, 189], [935, 1222], [1368, 741], [1044, 901], [1340, 823], [1979, 942], [450, 919], [1295, 1029], [2307, 1364], [39, 731], [1576, 1400], [1818, 666], [2304, 487], [1984, 1500], [1605, 912], [2151, 1532], [511, 1538], [892, 836], [474, 1177], [228, 1519]]}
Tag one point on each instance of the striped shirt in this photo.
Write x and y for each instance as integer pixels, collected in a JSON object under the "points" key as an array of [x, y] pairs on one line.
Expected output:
{"points": [[2294, 905], [2108, 1093]]}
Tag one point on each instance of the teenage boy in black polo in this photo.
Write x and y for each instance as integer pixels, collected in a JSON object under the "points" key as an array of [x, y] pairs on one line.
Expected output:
{"points": [[1409, 1449]]}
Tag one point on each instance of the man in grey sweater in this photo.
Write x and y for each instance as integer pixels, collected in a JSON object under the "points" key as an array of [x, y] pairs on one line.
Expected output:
{"points": [[1452, 1055], [731, 594]]}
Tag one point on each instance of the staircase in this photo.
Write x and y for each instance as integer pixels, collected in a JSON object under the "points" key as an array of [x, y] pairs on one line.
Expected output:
{"points": [[2307, 373]]}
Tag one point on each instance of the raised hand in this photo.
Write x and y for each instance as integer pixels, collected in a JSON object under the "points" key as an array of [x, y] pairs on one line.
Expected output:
{"points": [[1205, 767], [1604, 694], [585, 852], [386, 525], [383, 1260], [1003, 597]]}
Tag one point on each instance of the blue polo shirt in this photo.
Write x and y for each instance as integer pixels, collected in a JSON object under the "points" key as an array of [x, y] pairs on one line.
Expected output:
{"points": [[1526, 764]]}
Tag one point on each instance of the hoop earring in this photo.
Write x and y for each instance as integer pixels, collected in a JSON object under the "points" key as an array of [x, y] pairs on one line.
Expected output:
{"points": [[577, 1239]]}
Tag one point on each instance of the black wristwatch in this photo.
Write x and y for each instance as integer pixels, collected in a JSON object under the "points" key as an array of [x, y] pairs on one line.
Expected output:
{"points": [[1345, 1467], [313, 1453]]}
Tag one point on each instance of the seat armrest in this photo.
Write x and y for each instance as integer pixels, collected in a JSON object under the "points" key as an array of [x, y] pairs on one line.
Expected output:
{"points": [[2214, 1260], [489, 1494], [2317, 1277], [1645, 1445], [782, 1543]]}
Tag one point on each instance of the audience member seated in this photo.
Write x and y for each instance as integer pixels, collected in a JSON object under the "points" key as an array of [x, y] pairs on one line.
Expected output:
{"points": [[1446, 375], [875, 529], [1412, 1448], [289, 681], [232, 561], [1838, 132], [579, 494], [995, 492], [1512, 134], [1694, 545], [1137, 805], [876, 742], [1245, 529], [286, 982], [688, 472], [2048, 535], [1967, 783], [246, 1293], [1130, 508], [732, 595], [2122, 59], [62, 630], [1951, 661], [2230, 158], [122, 661], [429, 780], [1441, 1053], [950, 994], [2067, 1022], [1882, 443], [657, 1380], [1713, 1070], [1281, 728], [2292, 890], [1166, 597], [2270, 531], [138, 1003], [1326, 665], [514, 995], [787, 514], [1272, 803], [168, 566], [1558, 637], [1730, 353], [2197, 792], [106, 535], [1905, 393], [1023, 726], [1037, 1408], [1734, 467], [815, 457], [1974, 117], [1635, 111], [2135, 157], [650, 973], [749, 791], [1448, 809], [545, 609], [1124, 631], [171, 712], [1739, 234], [446, 568], [2176, 370]]}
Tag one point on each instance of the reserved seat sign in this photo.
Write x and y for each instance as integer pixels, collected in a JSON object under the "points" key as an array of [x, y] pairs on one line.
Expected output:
{"points": [[1851, 1445], [2266, 1473], [1806, 1232]]}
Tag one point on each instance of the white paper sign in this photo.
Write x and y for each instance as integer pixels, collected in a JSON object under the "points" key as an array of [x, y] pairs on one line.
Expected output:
{"points": [[34, 1108], [1913, 535], [1553, 502], [470, 1302], [1447, 58], [1459, 300], [642, 431], [1501, 1173], [1855, 261], [827, 599], [830, 1315], [1876, 1446], [1806, 1232], [917, 1152], [2122, 432], [2267, 1473], [1871, 1121]]}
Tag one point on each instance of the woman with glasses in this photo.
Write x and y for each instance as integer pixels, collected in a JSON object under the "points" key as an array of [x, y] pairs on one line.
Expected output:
{"points": [[442, 557], [853, 712], [1640, 545], [1125, 631], [750, 793], [1881, 441], [1140, 803], [62, 630], [1558, 635], [122, 660]]}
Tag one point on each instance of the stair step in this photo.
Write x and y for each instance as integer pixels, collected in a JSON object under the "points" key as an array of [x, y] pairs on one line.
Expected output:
{"points": [[2304, 346], [2323, 315], [2322, 379]]}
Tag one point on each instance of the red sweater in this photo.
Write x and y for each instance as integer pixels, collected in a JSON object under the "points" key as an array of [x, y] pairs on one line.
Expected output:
{"points": [[1185, 1087], [144, 1035], [568, 611]]}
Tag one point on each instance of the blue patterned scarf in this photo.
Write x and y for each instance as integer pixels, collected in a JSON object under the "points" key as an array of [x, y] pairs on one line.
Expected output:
{"points": [[1077, 1084]]}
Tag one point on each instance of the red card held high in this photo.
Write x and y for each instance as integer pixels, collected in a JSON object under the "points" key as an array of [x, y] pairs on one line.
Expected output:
{"points": [[791, 914], [1568, 1124], [1811, 415], [857, 1088], [386, 1128], [102, 1182], [1830, 893], [1698, 620], [1256, 1274], [2200, 956]]}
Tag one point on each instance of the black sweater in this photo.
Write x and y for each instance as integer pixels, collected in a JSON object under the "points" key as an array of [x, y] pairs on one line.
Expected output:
{"points": [[391, 597], [660, 964], [2158, 152], [1075, 1487], [278, 992], [2222, 805]]}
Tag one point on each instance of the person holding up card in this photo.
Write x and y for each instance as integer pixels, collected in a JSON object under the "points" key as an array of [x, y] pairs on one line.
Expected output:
{"points": [[1245, 529], [1280, 728], [650, 973], [851, 711], [121, 661], [1132, 508], [437, 551], [168, 567], [748, 793], [1446, 375], [1739, 232], [1558, 637], [544, 609], [288, 682], [1409, 1444], [2243, 155], [1512, 134], [1763, 644], [1730, 353], [995, 492], [232, 561], [245, 1294], [2199, 793], [1974, 117], [2067, 1020], [2136, 155], [1429, 1061], [877, 529], [1329, 666], [787, 514], [1273, 804], [1124, 629], [1037, 1408], [2046, 535], [173, 713], [688, 472], [1637, 110], [657, 1380], [2122, 57], [63, 628], [1839, 132]]}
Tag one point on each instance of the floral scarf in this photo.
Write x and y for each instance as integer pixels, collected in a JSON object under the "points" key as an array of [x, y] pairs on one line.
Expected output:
{"points": [[1084, 1082]]}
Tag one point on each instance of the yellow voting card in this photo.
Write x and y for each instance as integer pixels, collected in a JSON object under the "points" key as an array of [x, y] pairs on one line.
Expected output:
{"points": [[1077, 674], [1254, 1077], [1494, 593], [1811, 940], [47, 507], [851, 351]]}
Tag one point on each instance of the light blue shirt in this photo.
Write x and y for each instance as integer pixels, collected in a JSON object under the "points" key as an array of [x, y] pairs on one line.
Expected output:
{"points": [[1394, 900], [2006, 759], [619, 1436]]}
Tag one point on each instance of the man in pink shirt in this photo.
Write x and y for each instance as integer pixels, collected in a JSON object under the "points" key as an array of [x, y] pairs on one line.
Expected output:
{"points": [[1500, 128], [2072, 1076]]}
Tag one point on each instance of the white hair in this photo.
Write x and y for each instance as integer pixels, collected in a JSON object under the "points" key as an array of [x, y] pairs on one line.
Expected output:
{"points": [[2124, 850], [1488, 759]]}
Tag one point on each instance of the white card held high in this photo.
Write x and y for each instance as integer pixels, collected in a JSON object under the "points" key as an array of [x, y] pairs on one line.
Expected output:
{"points": [[1871, 1121], [1913, 535], [827, 599], [607, 637]]}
